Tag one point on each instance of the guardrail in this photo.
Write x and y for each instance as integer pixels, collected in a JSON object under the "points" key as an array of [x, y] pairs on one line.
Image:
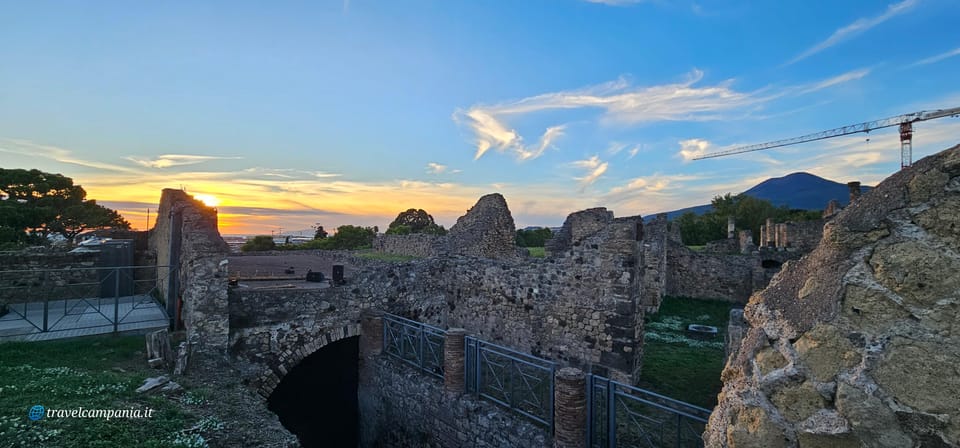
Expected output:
{"points": [[519, 381], [80, 298], [415, 343], [623, 415]]}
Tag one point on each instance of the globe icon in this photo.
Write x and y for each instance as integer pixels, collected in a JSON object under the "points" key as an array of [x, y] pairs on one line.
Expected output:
{"points": [[36, 412]]}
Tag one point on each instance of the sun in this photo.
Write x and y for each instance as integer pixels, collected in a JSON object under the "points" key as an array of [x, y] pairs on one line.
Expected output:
{"points": [[208, 199]]}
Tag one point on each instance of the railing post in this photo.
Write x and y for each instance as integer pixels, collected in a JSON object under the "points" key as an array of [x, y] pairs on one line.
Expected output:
{"points": [[116, 299], [371, 332], [46, 311], [591, 418], [453, 361], [611, 413], [570, 409]]}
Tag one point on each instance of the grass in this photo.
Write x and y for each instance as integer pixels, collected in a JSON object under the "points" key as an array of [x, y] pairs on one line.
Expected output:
{"points": [[697, 248], [100, 372], [676, 365], [537, 252]]}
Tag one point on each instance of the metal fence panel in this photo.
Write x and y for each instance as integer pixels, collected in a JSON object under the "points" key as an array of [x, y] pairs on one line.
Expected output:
{"points": [[74, 301], [623, 415], [510, 378], [418, 344]]}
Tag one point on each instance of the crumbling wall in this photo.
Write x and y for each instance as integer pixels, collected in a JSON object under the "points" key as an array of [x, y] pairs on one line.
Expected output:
{"points": [[576, 227], [857, 344], [189, 228], [414, 245], [654, 242], [487, 230]]}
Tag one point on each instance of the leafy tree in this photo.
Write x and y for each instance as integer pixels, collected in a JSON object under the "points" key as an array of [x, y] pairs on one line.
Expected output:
{"points": [[258, 243], [35, 204], [533, 237], [414, 221], [320, 233], [749, 213], [350, 237]]}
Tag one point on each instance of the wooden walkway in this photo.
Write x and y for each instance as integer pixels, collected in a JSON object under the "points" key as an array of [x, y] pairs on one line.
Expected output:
{"points": [[80, 317]]}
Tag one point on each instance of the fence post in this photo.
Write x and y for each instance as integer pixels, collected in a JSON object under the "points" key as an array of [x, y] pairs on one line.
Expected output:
{"points": [[116, 299], [570, 409], [453, 361], [371, 332]]}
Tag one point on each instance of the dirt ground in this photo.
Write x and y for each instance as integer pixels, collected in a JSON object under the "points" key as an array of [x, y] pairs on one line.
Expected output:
{"points": [[248, 267]]}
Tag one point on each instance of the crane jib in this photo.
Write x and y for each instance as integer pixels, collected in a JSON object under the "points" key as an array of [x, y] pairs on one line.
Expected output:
{"points": [[837, 132]]}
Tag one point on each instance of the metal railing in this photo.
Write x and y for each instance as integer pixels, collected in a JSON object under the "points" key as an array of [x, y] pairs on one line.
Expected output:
{"points": [[80, 298], [623, 415], [510, 378], [415, 343]]}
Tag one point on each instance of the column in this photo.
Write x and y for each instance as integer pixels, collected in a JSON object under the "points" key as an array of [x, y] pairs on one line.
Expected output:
{"points": [[453, 361], [570, 409]]}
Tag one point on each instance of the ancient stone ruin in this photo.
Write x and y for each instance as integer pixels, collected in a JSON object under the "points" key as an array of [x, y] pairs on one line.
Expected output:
{"points": [[857, 344]]}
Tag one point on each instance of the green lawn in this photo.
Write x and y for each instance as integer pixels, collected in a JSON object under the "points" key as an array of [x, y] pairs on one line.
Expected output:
{"points": [[99, 372], [676, 365], [537, 252]]}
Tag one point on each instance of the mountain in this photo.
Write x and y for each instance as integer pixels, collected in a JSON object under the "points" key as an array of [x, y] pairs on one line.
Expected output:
{"points": [[797, 191]]}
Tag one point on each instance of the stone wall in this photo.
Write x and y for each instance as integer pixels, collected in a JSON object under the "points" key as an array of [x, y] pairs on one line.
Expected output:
{"points": [[858, 344], [653, 283], [576, 227], [486, 230], [405, 407], [414, 245], [190, 229], [712, 276]]}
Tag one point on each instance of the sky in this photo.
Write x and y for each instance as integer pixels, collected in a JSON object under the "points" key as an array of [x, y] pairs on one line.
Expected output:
{"points": [[287, 114]]}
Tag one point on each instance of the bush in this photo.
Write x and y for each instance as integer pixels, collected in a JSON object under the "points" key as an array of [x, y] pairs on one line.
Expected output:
{"points": [[258, 243]]}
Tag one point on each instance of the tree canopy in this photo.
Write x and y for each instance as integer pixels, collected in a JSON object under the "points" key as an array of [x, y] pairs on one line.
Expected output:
{"points": [[35, 204], [258, 243], [414, 221], [749, 212], [533, 237]]}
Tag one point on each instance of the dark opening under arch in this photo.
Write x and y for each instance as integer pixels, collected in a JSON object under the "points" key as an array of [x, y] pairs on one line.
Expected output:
{"points": [[317, 400], [771, 264]]}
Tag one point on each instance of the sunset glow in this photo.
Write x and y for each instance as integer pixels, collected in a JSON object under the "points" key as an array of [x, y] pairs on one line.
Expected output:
{"points": [[331, 113]]}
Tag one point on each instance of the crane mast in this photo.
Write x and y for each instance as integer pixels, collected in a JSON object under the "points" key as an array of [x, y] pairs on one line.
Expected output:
{"points": [[905, 122]]}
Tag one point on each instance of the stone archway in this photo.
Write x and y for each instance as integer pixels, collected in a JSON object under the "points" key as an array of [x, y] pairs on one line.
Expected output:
{"points": [[292, 355], [316, 396]]}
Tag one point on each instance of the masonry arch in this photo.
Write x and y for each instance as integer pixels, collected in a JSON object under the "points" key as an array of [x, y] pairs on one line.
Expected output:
{"points": [[316, 395]]}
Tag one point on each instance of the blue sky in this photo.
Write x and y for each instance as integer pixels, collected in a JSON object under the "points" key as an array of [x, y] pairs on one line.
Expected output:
{"points": [[347, 112]]}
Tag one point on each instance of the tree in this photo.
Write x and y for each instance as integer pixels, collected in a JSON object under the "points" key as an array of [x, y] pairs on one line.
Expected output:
{"points": [[414, 221], [533, 237], [320, 233], [258, 243], [750, 213], [34, 204], [351, 237]]}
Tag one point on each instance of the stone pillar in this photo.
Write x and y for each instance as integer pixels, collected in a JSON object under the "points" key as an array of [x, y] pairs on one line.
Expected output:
{"points": [[785, 237], [570, 409], [731, 227], [770, 240], [453, 361], [746, 242], [854, 190], [371, 332]]}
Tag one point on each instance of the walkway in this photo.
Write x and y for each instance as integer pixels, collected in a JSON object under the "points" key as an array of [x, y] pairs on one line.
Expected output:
{"points": [[80, 317]]}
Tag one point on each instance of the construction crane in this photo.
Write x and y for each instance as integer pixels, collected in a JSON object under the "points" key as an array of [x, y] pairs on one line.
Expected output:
{"points": [[904, 121]]}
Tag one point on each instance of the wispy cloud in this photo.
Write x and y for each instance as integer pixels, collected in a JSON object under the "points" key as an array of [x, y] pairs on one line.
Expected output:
{"points": [[937, 58], [620, 103], [633, 151], [855, 28], [171, 160], [594, 168], [32, 149], [852, 75], [436, 168]]}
